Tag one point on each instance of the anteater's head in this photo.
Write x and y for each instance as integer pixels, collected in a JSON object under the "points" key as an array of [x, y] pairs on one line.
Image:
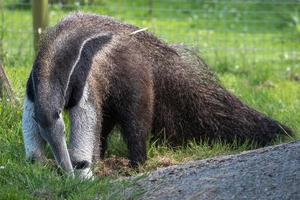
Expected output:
{"points": [[49, 102], [61, 67]]}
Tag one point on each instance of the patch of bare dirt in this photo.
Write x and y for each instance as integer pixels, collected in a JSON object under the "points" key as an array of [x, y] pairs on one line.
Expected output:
{"points": [[113, 166]]}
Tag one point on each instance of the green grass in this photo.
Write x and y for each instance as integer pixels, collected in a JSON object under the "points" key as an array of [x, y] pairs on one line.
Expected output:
{"points": [[253, 48]]}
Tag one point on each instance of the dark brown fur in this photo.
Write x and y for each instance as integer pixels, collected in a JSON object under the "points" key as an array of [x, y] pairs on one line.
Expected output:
{"points": [[144, 85]]}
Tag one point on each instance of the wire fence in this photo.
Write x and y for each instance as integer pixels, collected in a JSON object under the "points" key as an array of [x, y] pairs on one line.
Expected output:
{"points": [[225, 32]]}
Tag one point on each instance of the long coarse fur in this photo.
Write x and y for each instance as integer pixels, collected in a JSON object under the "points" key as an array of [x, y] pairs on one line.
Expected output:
{"points": [[140, 83]]}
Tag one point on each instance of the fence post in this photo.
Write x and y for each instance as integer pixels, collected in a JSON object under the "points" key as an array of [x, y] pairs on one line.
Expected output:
{"points": [[1, 29], [150, 7], [40, 19]]}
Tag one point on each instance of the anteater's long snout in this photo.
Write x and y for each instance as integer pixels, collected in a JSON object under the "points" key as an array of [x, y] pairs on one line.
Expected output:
{"points": [[55, 136]]}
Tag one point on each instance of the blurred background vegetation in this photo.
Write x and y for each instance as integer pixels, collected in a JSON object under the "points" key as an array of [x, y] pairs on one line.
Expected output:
{"points": [[224, 31]]}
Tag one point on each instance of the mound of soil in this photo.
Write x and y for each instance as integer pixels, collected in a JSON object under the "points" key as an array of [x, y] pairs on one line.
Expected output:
{"points": [[267, 173]]}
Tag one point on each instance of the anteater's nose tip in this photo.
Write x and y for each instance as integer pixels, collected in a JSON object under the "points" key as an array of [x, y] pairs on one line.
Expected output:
{"points": [[81, 164]]}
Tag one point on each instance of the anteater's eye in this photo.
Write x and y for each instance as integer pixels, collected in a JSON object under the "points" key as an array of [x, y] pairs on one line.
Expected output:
{"points": [[57, 114], [34, 119]]}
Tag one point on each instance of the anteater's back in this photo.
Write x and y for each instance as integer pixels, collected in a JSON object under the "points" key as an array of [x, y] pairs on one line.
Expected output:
{"points": [[189, 102]]}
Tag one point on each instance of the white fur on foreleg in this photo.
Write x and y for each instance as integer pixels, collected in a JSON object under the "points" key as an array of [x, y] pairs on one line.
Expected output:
{"points": [[33, 142], [82, 138]]}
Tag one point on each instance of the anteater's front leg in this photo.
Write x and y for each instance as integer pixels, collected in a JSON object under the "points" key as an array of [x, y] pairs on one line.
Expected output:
{"points": [[33, 142], [82, 138]]}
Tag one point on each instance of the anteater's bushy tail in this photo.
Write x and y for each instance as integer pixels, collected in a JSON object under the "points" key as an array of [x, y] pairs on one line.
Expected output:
{"points": [[275, 131], [192, 104], [242, 123]]}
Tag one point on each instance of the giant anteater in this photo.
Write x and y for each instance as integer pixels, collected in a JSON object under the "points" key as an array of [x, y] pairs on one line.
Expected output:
{"points": [[107, 73]]}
